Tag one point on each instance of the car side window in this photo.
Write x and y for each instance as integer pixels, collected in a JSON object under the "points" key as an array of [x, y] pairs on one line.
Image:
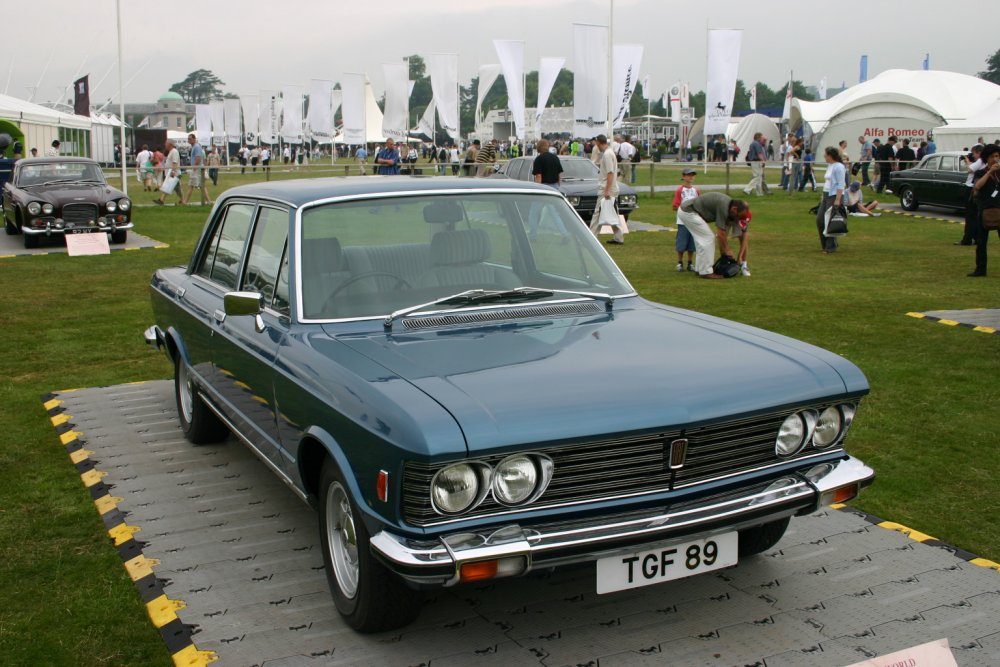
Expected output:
{"points": [[932, 163], [264, 257], [948, 162], [225, 249], [281, 302]]}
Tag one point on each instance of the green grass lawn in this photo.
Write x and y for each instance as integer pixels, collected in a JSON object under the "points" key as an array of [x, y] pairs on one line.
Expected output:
{"points": [[928, 428]]}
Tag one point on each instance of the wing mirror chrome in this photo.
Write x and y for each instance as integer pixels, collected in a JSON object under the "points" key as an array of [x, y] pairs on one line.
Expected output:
{"points": [[245, 303]]}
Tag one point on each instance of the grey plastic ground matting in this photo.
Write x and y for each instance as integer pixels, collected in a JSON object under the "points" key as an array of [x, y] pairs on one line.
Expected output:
{"points": [[241, 552]]}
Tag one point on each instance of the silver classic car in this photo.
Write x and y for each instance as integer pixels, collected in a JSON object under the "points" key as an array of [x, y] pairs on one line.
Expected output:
{"points": [[463, 383]]}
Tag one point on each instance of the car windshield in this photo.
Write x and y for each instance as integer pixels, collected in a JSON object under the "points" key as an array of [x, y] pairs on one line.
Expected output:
{"points": [[44, 173], [579, 169], [372, 257]]}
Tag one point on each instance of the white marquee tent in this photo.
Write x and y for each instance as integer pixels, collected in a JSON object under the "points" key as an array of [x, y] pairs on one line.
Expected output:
{"points": [[39, 125], [373, 119], [906, 103], [962, 134], [750, 125]]}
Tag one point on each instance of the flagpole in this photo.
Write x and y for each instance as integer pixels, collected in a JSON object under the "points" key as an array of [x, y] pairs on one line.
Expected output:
{"points": [[611, 47], [121, 100]]}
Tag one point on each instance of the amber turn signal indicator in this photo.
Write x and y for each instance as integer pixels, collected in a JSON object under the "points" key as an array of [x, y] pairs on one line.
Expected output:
{"points": [[484, 569]]}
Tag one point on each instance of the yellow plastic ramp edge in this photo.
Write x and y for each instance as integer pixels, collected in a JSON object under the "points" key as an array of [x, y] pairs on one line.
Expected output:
{"points": [[918, 536], [955, 323], [162, 610]]}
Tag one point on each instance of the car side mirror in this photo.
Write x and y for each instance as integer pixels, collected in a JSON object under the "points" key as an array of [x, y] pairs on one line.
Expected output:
{"points": [[245, 303]]}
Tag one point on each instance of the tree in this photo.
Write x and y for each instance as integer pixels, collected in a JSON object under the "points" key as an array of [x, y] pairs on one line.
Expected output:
{"points": [[199, 87], [992, 72]]}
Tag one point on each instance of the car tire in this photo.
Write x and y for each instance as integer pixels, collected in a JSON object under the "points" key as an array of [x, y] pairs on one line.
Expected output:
{"points": [[369, 597], [907, 199], [119, 236], [30, 241], [761, 538], [10, 227], [200, 425]]}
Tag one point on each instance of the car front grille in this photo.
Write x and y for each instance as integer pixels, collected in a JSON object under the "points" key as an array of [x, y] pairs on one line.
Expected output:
{"points": [[625, 466], [79, 213], [587, 204]]}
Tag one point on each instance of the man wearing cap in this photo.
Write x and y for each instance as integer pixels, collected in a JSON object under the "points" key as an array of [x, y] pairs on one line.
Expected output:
{"points": [[718, 208], [607, 187]]}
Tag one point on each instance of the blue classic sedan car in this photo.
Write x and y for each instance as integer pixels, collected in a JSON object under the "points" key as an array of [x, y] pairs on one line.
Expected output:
{"points": [[460, 379]]}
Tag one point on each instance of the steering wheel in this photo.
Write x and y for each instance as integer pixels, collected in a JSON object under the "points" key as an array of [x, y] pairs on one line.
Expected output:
{"points": [[400, 282]]}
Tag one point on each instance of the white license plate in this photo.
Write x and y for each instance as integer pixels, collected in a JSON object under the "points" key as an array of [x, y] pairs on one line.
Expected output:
{"points": [[669, 561]]}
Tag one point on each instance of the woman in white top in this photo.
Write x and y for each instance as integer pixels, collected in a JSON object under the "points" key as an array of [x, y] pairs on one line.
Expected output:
{"points": [[833, 195]]}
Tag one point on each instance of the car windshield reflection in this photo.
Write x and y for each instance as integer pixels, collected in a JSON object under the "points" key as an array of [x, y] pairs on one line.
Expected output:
{"points": [[366, 259]]}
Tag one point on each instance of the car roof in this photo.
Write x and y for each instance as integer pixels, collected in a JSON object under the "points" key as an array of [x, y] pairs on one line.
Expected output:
{"points": [[303, 191], [56, 160]]}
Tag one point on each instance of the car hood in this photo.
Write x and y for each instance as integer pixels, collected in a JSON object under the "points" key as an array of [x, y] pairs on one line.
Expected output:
{"points": [[637, 368], [72, 193]]}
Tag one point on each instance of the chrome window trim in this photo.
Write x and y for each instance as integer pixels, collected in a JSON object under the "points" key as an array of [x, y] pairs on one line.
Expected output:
{"points": [[297, 233]]}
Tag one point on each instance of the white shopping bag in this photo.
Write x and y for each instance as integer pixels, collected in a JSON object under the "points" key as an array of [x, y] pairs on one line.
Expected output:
{"points": [[169, 183], [610, 218]]}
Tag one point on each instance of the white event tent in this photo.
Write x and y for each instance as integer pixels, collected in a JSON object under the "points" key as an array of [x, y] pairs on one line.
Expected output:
{"points": [[750, 125], [38, 126], [905, 103], [962, 134]]}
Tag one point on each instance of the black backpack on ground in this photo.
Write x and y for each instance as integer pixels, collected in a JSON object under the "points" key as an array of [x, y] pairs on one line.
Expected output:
{"points": [[726, 266]]}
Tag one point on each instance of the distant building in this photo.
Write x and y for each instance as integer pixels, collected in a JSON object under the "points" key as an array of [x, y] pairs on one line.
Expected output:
{"points": [[170, 112]]}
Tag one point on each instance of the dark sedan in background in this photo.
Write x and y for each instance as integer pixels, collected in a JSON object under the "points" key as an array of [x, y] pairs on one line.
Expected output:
{"points": [[938, 180], [579, 184], [63, 195]]}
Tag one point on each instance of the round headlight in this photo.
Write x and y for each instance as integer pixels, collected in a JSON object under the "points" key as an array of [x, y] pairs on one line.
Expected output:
{"points": [[124, 204], [112, 206], [791, 436], [573, 200], [828, 427], [455, 488], [34, 208], [515, 480], [47, 209]]}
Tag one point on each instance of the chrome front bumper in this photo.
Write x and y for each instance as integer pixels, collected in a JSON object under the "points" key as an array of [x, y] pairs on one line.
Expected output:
{"points": [[49, 230], [439, 562]]}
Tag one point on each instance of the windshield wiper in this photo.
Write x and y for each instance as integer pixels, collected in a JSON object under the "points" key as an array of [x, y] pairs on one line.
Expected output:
{"points": [[474, 296]]}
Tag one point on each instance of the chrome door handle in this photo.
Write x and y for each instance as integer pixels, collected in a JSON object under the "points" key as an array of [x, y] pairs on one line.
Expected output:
{"points": [[220, 316]]}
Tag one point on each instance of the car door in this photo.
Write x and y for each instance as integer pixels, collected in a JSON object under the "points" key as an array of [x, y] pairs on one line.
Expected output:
{"points": [[951, 182], [923, 180], [244, 353], [213, 274]]}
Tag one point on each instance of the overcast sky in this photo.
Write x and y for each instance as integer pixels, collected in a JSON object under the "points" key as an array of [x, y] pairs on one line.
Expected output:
{"points": [[263, 44]]}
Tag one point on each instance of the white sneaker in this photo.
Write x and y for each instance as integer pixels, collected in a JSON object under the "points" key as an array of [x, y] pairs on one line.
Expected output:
{"points": [[745, 271], [680, 267]]}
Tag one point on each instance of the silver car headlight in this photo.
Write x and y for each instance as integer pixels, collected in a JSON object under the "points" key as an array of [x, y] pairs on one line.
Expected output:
{"points": [[458, 487], [112, 206], [791, 436], [573, 200], [124, 204], [47, 209], [832, 425], [628, 201], [515, 480], [34, 208]]}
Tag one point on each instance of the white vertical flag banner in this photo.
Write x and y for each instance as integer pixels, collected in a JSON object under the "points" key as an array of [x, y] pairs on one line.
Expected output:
{"points": [[218, 108], [291, 126], [443, 68], [786, 111], [487, 77], [270, 115], [590, 79], [675, 102], [548, 72], [203, 124], [426, 123], [319, 117], [336, 97], [397, 85], [625, 63], [231, 111], [753, 98], [510, 52], [250, 115], [647, 92], [353, 109], [822, 88], [723, 68], [685, 95]]}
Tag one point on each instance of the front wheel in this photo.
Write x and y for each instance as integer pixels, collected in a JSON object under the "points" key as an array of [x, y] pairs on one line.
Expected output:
{"points": [[119, 236], [368, 596], [761, 538], [30, 241], [200, 425], [908, 200]]}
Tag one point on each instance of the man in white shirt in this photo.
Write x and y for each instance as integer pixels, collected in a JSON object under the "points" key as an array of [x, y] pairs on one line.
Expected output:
{"points": [[171, 167], [607, 188], [53, 151], [625, 153], [141, 158]]}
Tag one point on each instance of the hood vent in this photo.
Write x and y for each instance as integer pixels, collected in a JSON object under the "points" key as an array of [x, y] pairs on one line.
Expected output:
{"points": [[503, 314]]}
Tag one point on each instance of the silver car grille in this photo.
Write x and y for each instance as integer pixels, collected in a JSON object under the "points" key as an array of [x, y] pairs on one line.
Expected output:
{"points": [[79, 213], [623, 467]]}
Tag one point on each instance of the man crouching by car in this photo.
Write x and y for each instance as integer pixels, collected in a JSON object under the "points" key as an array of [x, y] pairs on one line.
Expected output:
{"points": [[715, 207]]}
